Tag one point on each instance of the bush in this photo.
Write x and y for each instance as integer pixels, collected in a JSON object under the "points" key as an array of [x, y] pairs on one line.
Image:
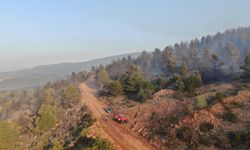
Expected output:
{"points": [[206, 127], [238, 138], [187, 109], [179, 83], [8, 135], [48, 95], [57, 146], [42, 143], [135, 87], [187, 83], [46, 118], [201, 102], [155, 116], [159, 83], [205, 140], [71, 95], [221, 141], [100, 144], [114, 88], [219, 96], [145, 91], [246, 68], [178, 95], [229, 116], [193, 82], [184, 133], [132, 83], [237, 104], [102, 77], [173, 119]]}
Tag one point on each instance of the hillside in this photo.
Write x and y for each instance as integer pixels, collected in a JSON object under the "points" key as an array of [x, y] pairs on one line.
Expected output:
{"points": [[168, 122], [216, 57], [193, 95], [149, 101], [40, 75]]}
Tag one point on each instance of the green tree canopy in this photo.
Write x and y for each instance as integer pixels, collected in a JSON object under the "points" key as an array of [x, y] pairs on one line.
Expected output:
{"points": [[114, 88], [8, 135], [46, 118], [102, 76], [71, 95], [135, 86], [48, 96]]}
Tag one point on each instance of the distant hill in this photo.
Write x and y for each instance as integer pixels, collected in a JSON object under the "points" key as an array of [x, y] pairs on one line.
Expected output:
{"points": [[40, 75]]}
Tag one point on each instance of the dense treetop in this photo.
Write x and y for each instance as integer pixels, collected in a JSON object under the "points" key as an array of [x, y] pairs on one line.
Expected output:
{"points": [[213, 56]]}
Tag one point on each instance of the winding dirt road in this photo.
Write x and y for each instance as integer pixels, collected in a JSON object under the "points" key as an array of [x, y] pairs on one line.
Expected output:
{"points": [[119, 134]]}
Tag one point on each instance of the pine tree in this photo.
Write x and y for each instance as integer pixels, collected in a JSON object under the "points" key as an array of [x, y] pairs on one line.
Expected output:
{"points": [[216, 63], [102, 77], [157, 61], [169, 61], [145, 62], [231, 57]]}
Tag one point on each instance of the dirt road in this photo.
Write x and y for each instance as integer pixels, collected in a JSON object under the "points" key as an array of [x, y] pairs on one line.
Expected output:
{"points": [[119, 134]]}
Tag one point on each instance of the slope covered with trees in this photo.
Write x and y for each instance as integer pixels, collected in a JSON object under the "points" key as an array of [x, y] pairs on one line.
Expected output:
{"points": [[182, 67], [51, 118], [215, 57], [191, 95]]}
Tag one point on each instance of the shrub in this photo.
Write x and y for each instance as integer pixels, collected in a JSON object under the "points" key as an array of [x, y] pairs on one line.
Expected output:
{"points": [[57, 146], [48, 95], [238, 138], [179, 83], [8, 135], [173, 119], [187, 109], [102, 77], [71, 95], [132, 82], [235, 138], [246, 67], [145, 91], [187, 83], [219, 96], [201, 102], [84, 131], [192, 82], [42, 143], [184, 133], [205, 140], [229, 116], [206, 126], [46, 118], [178, 95], [100, 144], [135, 87], [237, 104], [160, 130], [221, 141], [114, 88], [155, 116], [159, 83]]}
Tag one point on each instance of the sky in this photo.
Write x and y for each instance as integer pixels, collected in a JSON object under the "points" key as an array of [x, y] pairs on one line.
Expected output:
{"points": [[38, 32]]}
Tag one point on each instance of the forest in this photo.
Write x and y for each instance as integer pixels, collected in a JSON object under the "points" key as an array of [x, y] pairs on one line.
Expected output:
{"points": [[183, 67], [215, 57], [44, 114]]}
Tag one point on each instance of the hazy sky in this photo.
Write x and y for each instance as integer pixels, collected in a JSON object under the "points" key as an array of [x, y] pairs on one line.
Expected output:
{"points": [[34, 32]]}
